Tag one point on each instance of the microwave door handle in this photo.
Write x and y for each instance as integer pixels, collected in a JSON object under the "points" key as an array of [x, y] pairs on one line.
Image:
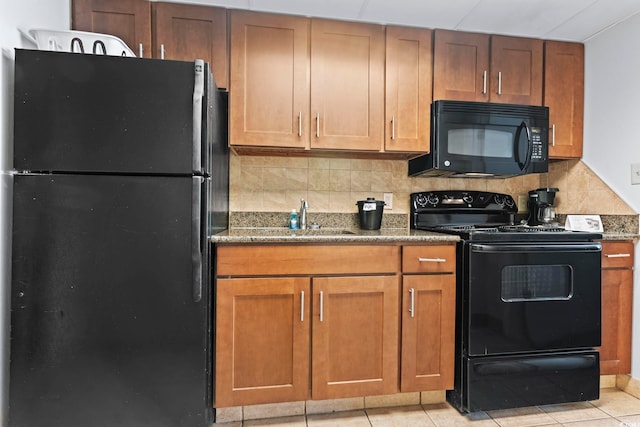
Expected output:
{"points": [[523, 165]]}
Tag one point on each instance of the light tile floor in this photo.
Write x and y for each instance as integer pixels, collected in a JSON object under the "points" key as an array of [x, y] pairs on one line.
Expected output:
{"points": [[615, 408]]}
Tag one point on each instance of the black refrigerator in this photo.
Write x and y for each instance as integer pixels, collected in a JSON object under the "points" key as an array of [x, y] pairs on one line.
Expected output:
{"points": [[121, 176]]}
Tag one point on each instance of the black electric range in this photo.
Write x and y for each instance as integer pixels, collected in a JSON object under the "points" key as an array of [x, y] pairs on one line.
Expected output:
{"points": [[528, 302]]}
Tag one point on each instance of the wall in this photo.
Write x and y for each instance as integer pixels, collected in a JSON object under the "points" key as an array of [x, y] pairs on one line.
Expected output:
{"points": [[23, 14], [612, 142], [276, 184]]}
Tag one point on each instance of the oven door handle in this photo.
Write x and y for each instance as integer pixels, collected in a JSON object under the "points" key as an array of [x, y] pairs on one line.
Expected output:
{"points": [[536, 247]]}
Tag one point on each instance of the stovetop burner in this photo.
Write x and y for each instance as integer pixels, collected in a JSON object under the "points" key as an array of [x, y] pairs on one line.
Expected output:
{"points": [[478, 216]]}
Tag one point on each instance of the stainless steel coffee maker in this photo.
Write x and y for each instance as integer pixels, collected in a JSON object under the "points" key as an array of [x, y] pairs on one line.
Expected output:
{"points": [[540, 204]]}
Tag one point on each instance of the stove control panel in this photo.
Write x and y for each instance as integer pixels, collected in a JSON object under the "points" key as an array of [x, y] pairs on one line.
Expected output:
{"points": [[459, 200]]}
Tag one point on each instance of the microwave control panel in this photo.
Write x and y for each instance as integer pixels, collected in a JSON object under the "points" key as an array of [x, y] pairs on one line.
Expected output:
{"points": [[536, 142]]}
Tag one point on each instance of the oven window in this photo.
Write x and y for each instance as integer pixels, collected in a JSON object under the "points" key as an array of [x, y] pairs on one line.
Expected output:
{"points": [[536, 282], [480, 142]]}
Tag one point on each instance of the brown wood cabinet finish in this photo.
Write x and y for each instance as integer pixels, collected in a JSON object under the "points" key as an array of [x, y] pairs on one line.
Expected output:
{"points": [[480, 67], [186, 32], [347, 85], [564, 95], [355, 336], [460, 66], [409, 76], [263, 260], [262, 340], [269, 73], [617, 295], [129, 20], [428, 325], [428, 317], [350, 312]]}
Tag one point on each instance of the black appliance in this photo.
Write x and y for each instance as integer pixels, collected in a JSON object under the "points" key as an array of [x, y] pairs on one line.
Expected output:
{"points": [[121, 178], [482, 139], [528, 303], [540, 206]]}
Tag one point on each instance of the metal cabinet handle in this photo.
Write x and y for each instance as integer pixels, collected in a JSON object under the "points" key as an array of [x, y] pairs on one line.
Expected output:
{"points": [[484, 82], [499, 82], [140, 51], [302, 306], [432, 260], [317, 125], [412, 292], [162, 51], [321, 306], [299, 123], [617, 255], [393, 127], [553, 135]]}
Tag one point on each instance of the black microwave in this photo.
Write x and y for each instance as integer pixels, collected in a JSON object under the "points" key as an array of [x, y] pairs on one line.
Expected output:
{"points": [[483, 139]]}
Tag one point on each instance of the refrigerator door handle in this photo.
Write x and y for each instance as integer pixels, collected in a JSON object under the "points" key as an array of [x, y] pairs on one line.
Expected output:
{"points": [[198, 93], [196, 249]]}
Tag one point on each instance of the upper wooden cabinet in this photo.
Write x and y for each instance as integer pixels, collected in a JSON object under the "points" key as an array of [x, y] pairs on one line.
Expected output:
{"points": [[308, 84], [564, 95], [409, 74], [129, 20], [480, 67], [269, 80], [347, 85], [185, 32]]}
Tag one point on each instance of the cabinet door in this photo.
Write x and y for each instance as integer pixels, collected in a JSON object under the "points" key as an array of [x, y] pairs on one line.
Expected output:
{"points": [[187, 32], [269, 97], [347, 85], [617, 296], [129, 20], [428, 324], [460, 66], [262, 341], [564, 95], [355, 336], [409, 72], [516, 70]]}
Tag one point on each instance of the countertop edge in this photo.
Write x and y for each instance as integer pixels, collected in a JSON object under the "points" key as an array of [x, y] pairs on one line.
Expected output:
{"points": [[276, 235], [355, 236]]}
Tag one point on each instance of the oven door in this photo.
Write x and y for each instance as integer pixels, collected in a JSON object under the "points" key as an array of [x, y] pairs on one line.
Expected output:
{"points": [[524, 297]]}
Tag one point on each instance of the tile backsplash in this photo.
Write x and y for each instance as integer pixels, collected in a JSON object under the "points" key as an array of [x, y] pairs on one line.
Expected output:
{"points": [[276, 184]]}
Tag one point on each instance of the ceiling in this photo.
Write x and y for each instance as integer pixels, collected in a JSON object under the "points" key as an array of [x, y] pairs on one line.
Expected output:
{"points": [[571, 20]]}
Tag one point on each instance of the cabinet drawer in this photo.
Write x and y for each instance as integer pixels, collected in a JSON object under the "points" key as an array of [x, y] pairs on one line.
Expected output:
{"points": [[429, 259], [617, 254], [294, 259]]}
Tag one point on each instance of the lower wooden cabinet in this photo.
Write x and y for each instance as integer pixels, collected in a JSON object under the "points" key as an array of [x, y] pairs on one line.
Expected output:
{"points": [[355, 336], [428, 326], [428, 317], [262, 340], [326, 321], [617, 296]]}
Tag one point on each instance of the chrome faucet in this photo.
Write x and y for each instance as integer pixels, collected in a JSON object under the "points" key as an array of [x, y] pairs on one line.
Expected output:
{"points": [[302, 220]]}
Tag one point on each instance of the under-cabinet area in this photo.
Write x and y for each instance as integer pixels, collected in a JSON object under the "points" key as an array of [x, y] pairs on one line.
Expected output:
{"points": [[300, 322]]}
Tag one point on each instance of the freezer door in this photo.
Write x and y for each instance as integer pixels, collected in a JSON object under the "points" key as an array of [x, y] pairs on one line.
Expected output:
{"points": [[108, 324], [95, 113]]}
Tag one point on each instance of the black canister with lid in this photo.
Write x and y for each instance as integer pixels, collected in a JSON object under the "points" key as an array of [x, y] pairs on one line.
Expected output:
{"points": [[370, 213]]}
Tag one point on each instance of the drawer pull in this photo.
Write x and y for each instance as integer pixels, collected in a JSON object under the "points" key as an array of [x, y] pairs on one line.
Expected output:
{"points": [[321, 306], [431, 259], [617, 255], [412, 292], [302, 306]]}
